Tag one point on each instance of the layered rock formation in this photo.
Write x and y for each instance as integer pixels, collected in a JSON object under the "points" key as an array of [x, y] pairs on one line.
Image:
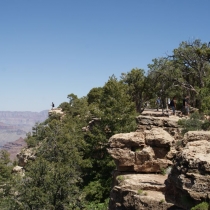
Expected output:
{"points": [[157, 168], [189, 181], [143, 158], [141, 151]]}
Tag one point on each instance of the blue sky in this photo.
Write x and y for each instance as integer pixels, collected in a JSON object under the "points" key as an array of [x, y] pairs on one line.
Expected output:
{"points": [[51, 48]]}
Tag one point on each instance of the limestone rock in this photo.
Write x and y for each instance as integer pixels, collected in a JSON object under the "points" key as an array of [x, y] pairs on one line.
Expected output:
{"points": [[196, 136], [123, 157], [25, 155], [128, 140], [158, 137], [141, 151], [189, 181], [157, 121], [139, 191], [141, 158], [153, 166], [17, 169], [55, 111]]}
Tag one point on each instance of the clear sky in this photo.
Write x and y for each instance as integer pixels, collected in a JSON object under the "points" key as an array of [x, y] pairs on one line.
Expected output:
{"points": [[51, 48]]}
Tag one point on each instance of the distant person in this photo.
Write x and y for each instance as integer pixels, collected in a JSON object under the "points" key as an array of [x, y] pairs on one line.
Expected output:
{"points": [[53, 105], [186, 105], [169, 101], [158, 103], [173, 105]]}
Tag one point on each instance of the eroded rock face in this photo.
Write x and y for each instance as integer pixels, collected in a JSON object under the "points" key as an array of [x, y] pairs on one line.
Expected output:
{"points": [[25, 155], [196, 136], [142, 157], [55, 111], [141, 151], [168, 124], [157, 121], [139, 191], [189, 181]]}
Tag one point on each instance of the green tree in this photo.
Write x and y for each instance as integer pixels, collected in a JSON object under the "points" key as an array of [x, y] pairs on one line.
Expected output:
{"points": [[139, 87], [6, 179], [186, 71], [52, 181], [94, 95], [5, 168], [116, 114]]}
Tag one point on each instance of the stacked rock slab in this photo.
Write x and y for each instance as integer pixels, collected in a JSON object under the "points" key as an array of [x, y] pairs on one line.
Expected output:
{"points": [[143, 159], [188, 184]]}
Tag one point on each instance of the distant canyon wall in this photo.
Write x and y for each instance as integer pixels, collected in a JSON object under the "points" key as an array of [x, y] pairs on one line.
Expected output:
{"points": [[15, 125], [22, 118]]}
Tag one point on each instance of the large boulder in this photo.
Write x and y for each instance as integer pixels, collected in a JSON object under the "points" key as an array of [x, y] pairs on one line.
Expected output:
{"points": [[196, 136], [141, 151], [139, 192], [189, 181], [143, 159]]}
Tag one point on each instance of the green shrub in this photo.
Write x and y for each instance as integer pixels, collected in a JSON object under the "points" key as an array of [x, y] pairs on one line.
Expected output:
{"points": [[192, 124], [178, 143], [161, 201], [98, 206], [31, 142], [201, 206], [206, 125], [163, 171], [120, 178], [140, 191]]}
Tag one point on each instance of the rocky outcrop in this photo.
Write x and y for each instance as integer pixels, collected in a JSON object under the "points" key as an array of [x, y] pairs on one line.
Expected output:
{"points": [[55, 111], [189, 181], [142, 159], [139, 191], [196, 136], [25, 155], [91, 124], [168, 124], [141, 151], [18, 170]]}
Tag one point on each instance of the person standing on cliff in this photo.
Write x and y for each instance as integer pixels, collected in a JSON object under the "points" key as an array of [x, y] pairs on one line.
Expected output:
{"points": [[173, 105], [158, 103], [186, 105], [53, 105]]}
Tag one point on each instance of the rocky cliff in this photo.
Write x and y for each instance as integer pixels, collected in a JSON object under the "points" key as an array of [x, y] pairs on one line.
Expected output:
{"points": [[157, 168], [188, 184]]}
